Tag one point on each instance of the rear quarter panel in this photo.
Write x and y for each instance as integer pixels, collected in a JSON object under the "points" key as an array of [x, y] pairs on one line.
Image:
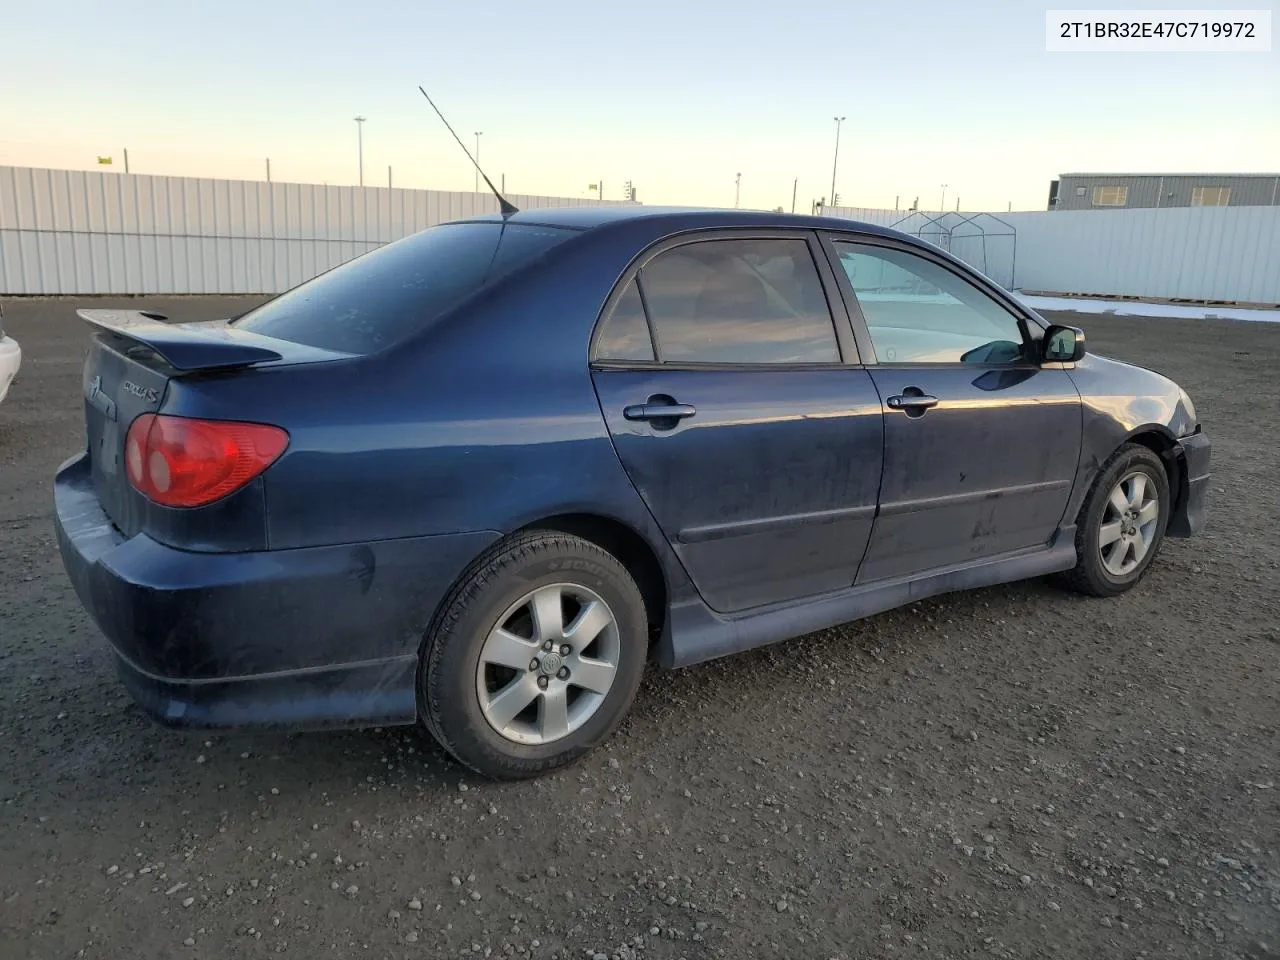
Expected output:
{"points": [[486, 422]]}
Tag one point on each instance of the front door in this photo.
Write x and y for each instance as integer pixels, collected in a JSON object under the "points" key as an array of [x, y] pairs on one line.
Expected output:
{"points": [[981, 442], [740, 414]]}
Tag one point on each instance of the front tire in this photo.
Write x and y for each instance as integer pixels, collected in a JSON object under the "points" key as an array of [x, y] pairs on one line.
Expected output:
{"points": [[536, 656], [1122, 523]]}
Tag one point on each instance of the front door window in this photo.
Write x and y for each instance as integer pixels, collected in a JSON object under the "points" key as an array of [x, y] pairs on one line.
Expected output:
{"points": [[917, 311]]}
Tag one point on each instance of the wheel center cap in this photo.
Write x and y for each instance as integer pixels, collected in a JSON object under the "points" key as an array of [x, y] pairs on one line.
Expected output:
{"points": [[549, 664]]}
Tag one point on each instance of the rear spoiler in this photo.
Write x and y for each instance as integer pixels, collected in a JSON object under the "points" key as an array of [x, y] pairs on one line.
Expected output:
{"points": [[185, 348]]}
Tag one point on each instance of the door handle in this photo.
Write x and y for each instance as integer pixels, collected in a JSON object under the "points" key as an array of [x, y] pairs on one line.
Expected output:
{"points": [[913, 401], [661, 411], [658, 411]]}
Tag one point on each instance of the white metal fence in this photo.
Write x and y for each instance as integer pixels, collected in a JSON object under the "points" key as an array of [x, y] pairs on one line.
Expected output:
{"points": [[74, 232], [1193, 253], [1190, 253]]}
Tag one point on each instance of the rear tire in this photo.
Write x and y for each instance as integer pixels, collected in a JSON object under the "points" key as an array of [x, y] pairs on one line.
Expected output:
{"points": [[1121, 523], [535, 657]]}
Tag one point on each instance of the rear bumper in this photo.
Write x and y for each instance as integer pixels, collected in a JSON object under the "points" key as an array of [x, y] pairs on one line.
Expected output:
{"points": [[314, 637], [1191, 506], [379, 693], [10, 361]]}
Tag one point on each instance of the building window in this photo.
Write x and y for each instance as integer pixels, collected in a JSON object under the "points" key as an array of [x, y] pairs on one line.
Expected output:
{"points": [[1210, 196], [1110, 196]]}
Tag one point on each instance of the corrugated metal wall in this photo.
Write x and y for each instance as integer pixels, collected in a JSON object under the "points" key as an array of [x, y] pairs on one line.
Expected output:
{"points": [[1188, 253], [74, 232], [1192, 253], [883, 218], [71, 232]]}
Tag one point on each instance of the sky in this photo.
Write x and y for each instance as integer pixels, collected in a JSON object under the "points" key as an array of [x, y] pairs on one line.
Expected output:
{"points": [[680, 97]]}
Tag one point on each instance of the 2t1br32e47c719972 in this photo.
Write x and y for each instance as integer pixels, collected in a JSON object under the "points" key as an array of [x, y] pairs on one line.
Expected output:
{"points": [[1147, 30], [1158, 31]]}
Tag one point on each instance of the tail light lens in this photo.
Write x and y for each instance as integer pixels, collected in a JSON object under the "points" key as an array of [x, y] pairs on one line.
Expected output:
{"points": [[182, 462]]}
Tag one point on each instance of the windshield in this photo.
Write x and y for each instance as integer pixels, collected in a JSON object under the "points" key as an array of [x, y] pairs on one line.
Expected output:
{"points": [[384, 296]]}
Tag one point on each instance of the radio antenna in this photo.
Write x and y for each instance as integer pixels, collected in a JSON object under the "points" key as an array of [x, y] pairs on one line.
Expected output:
{"points": [[505, 205]]}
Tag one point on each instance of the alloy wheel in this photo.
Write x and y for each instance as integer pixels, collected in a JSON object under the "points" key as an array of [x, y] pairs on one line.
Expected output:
{"points": [[548, 663], [1129, 522]]}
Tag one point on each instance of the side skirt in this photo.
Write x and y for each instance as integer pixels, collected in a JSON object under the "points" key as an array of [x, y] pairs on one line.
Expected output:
{"points": [[696, 634]]}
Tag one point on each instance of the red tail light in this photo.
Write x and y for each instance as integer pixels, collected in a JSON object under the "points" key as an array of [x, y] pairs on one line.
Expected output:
{"points": [[181, 462]]}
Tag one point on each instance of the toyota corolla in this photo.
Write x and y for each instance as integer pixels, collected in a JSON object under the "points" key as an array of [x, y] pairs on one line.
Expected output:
{"points": [[479, 477]]}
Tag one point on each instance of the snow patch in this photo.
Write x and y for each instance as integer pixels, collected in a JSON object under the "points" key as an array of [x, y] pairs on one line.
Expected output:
{"points": [[1131, 308]]}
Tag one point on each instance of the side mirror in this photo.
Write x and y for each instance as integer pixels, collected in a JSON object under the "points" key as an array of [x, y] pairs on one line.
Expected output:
{"points": [[1063, 344]]}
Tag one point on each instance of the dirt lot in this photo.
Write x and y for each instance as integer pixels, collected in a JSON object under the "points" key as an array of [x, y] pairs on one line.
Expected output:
{"points": [[1015, 772]]}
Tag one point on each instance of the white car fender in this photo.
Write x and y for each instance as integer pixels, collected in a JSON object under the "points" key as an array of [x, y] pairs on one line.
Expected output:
{"points": [[10, 361]]}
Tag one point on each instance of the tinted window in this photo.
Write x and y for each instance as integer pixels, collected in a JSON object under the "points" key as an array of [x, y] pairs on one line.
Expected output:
{"points": [[382, 297], [625, 333], [919, 312], [739, 301]]}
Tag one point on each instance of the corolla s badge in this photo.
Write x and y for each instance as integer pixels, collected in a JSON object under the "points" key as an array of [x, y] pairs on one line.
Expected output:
{"points": [[142, 393]]}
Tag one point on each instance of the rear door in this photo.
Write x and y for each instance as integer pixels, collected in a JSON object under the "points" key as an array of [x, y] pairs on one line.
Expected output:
{"points": [[741, 412], [981, 441]]}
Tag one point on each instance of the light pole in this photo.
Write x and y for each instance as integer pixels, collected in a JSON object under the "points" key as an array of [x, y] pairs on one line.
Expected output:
{"points": [[360, 145], [835, 160], [737, 189], [942, 206], [478, 132]]}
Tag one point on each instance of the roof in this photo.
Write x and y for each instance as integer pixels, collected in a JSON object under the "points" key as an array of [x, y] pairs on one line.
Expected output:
{"points": [[586, 218], [1139, 176]]}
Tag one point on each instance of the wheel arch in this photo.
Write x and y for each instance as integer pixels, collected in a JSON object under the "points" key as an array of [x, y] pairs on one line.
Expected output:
{"points": [[1087, 577], [627, 544], [1160, 440]]}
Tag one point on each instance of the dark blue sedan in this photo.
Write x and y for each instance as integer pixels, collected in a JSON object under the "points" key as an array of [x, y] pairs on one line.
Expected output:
{"points": [[480, 476]]}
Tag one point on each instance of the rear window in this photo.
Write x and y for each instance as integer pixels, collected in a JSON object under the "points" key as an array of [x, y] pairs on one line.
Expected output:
{"points": [[386, 295]]}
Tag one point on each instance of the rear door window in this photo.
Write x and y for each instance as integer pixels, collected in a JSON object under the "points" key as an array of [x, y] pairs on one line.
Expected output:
{"points": [[753, 301], [386, 295], [625, 333]]}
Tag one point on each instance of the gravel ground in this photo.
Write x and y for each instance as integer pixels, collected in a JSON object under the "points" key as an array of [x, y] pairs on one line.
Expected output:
{"points": [[1013, 772]]}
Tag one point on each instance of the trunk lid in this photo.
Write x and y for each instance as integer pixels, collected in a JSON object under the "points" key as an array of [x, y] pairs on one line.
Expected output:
{"points": [[131, 360]]}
